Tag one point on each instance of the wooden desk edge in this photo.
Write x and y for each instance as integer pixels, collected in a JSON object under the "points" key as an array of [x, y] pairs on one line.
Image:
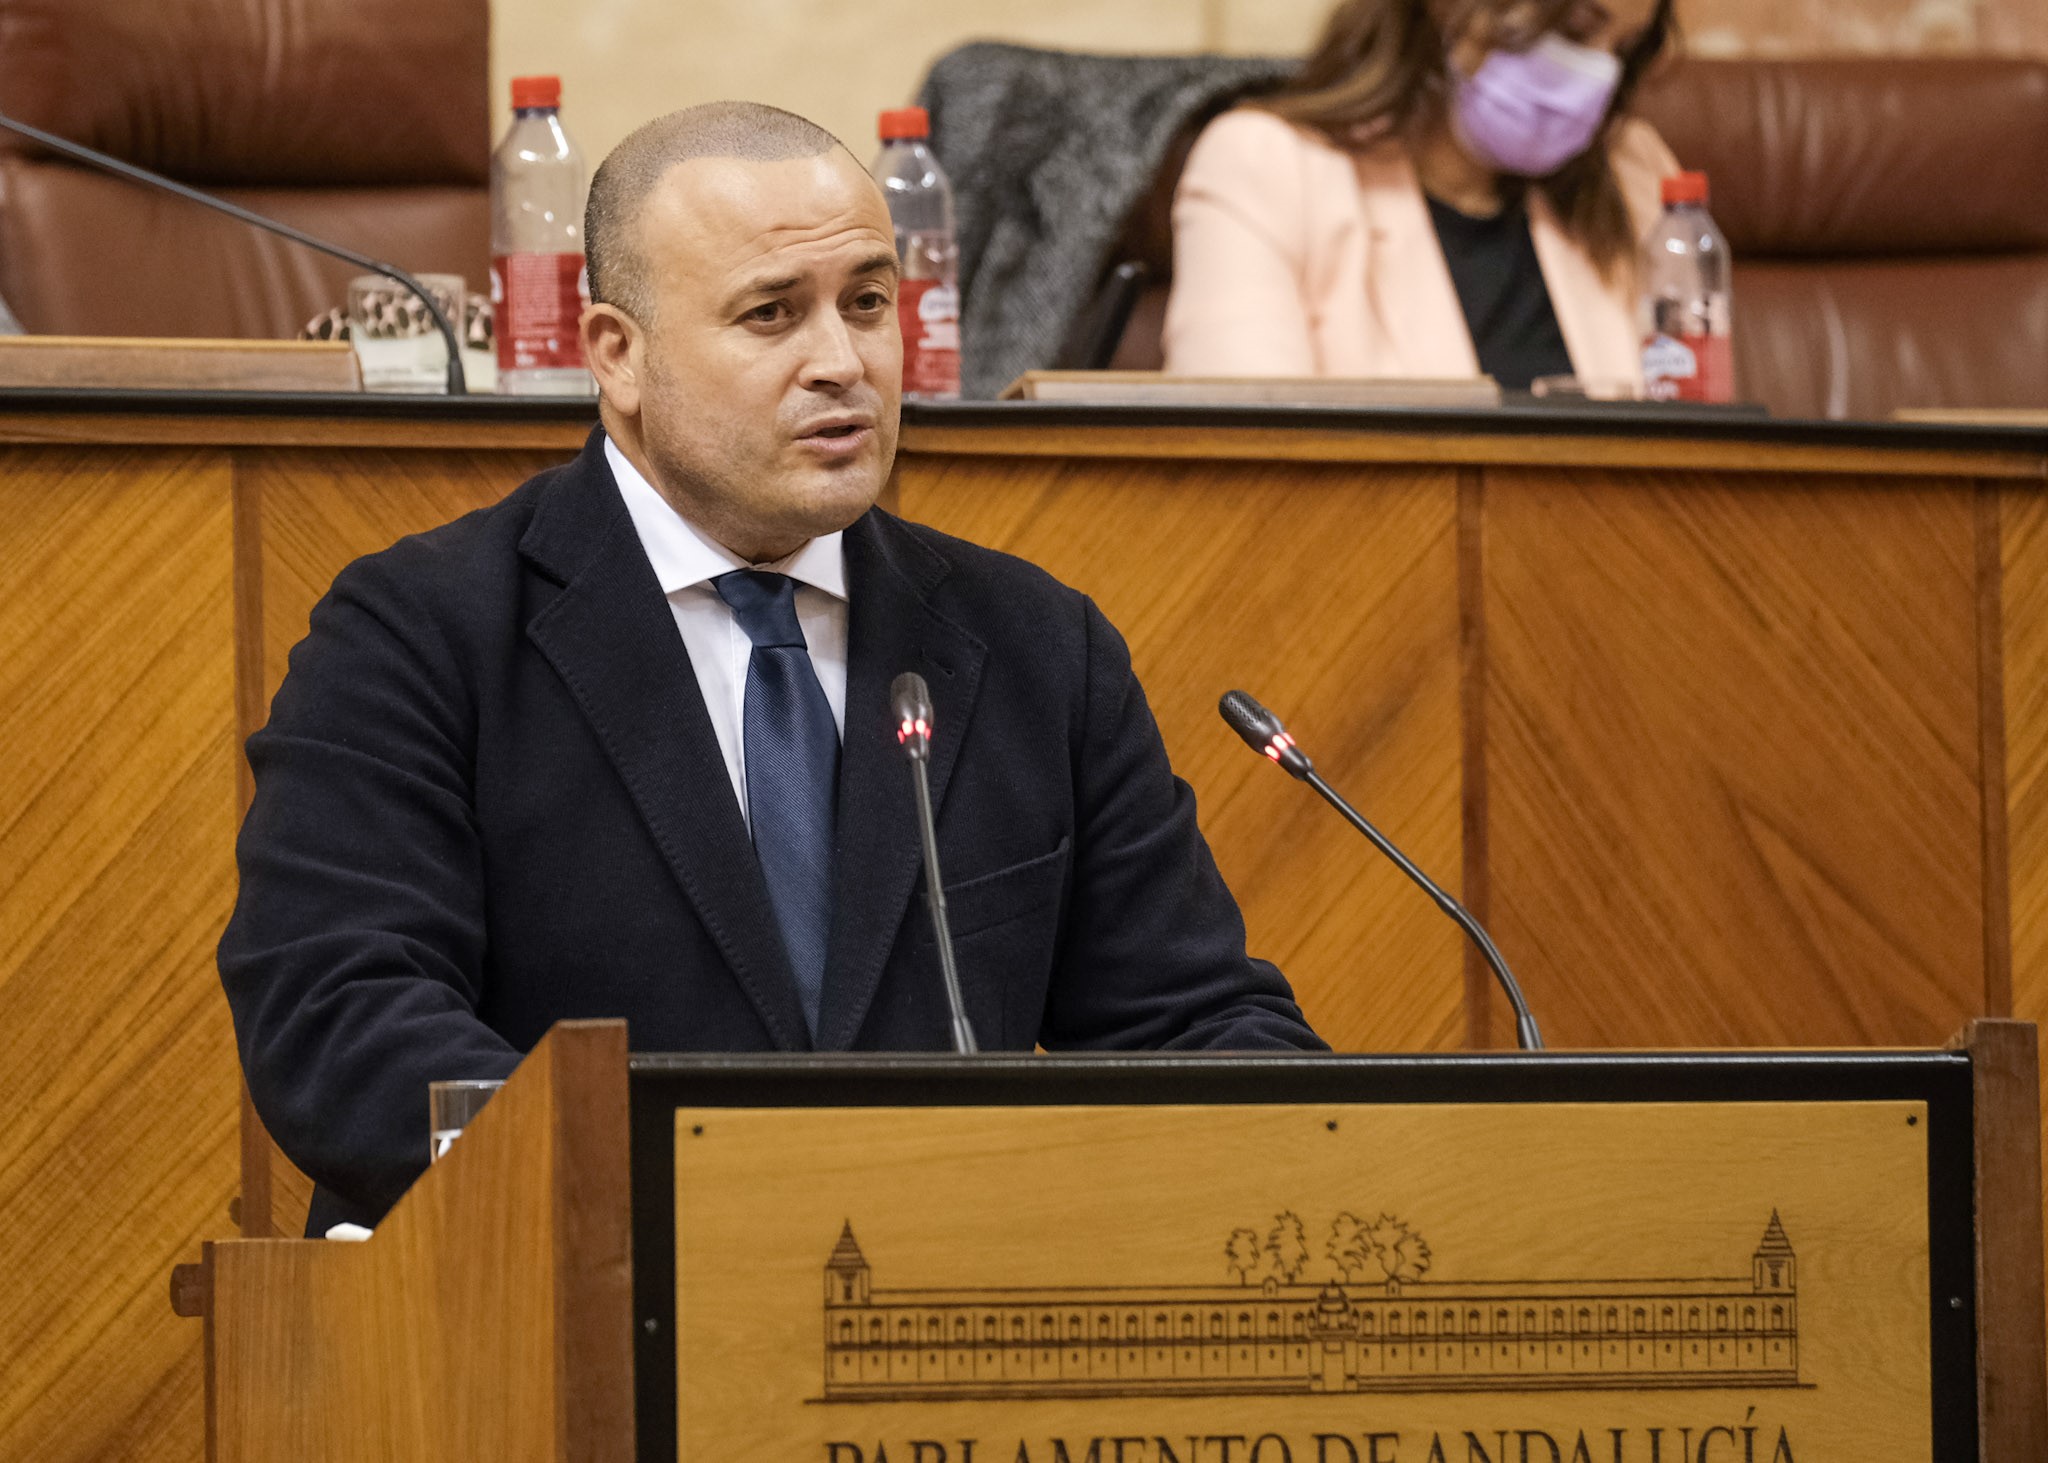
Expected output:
{"points": [[1305, 444], [116, 430], [2012, 1331], [1248, 443]]}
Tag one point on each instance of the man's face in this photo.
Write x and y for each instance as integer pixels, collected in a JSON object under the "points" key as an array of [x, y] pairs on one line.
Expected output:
{"points": [[769, 380]]}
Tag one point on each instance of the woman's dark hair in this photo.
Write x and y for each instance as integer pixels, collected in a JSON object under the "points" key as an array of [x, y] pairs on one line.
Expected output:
{"points": [[1381, 70]]}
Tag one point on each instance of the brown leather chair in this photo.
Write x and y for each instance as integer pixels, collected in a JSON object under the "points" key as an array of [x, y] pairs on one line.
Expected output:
{"points": [[361, 121], [1889, 222], [1888, 218]]}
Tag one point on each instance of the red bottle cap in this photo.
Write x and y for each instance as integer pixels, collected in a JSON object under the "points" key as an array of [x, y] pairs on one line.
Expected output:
{"points": [[1685, 188], [536, 91], [905, 122]]}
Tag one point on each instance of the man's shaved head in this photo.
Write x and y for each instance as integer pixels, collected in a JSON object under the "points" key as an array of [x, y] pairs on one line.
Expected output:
{"points": [[749, 131]]}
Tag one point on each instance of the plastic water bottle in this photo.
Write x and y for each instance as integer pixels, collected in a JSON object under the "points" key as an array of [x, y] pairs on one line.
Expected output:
{"points": [[928, 304], [1688, 302], [538, 283]]}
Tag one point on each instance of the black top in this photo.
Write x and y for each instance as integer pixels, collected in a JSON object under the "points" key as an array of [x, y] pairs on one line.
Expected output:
{"points": [[1500, 286]]}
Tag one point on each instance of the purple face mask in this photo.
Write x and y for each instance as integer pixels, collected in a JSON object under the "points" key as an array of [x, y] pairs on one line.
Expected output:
{"points": [[1531, 112]]}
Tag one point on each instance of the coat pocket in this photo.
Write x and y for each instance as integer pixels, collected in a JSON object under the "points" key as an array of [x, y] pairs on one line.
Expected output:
{"points": [[991, 900]]}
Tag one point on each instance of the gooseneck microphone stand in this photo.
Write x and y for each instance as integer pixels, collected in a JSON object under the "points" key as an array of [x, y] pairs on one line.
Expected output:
{"points": [[1262, 731], [912, 700]]}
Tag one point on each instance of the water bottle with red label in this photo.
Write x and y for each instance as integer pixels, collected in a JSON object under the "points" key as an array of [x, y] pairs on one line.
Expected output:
{"points": [[928, 304], [1688, 303], [538, 285]]}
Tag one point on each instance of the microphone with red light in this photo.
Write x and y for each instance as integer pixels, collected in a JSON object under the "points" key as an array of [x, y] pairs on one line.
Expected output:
{"points": [[1263, 732], [911, 700]]}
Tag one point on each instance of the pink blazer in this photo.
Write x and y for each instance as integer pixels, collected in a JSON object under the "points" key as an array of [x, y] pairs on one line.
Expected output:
{"points": [[1293, 257]]}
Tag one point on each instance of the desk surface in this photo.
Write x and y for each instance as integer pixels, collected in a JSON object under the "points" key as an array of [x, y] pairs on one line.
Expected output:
{"points": [[1627, 434]]}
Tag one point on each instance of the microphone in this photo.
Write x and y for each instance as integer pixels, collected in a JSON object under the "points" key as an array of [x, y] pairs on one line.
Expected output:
{"points": [[458, 384], [911, 699], [1263, 732]]}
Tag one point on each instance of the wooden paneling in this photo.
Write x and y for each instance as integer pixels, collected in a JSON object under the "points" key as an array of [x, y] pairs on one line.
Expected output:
{"points": [[490, 1317], [2024, 551], [306, 514], [118, 1134], [1733, 756], [1679, 451], [1994, 834], [338, 435], [1728, 720], [1331, 594], [2012, 1330], [1117, 1216], [320, 510]]}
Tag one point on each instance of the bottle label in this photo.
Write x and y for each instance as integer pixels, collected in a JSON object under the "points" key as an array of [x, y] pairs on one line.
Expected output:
{"points": [[1689, 368], [538, 298], [929, 312]]}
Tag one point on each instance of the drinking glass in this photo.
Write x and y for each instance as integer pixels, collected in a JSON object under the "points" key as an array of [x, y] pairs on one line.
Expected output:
{"points": [[450, 1107]]}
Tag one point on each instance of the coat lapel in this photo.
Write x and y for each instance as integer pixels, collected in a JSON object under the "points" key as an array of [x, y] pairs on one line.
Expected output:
{"points": [[1596, 317], [1412, 293], [611, 637], [891, 629]]}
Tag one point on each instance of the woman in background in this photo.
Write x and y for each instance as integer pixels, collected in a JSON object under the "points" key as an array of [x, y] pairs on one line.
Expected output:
{"points": [[1446, 188]]}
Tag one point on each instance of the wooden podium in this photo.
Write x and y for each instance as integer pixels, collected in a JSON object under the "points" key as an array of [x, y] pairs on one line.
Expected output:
{"points": [[1613, 1256]]}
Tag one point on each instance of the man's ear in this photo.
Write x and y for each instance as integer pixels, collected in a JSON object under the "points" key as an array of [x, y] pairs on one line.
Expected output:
{"points": [[611, 348]]}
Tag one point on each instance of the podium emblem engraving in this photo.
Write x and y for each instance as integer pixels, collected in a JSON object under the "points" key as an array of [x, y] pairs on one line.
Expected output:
{"points": [[1361, 1317]]}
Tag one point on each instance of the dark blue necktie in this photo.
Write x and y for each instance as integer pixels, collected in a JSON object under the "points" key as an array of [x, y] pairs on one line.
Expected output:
{"points": [[792, 756]]}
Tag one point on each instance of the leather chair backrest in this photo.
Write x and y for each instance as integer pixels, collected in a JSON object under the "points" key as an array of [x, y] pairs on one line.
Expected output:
{"points": [[1888, 219], [362, 121], [1889, 223]]}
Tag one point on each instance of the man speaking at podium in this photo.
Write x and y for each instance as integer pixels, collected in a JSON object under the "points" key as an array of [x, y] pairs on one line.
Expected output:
{"points": [[621, 745]]}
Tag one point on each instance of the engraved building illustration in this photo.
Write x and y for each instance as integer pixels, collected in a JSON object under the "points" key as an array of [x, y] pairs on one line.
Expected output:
{"points": [[1053, 1341]]}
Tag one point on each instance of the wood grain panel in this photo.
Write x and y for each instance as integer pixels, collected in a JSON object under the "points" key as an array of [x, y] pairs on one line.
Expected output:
{"points": [[1124, 1215], [562, 432], [320, 510], [1732, 756], [1329, 593], [2012, 1389], [2024, 550], [1489, 1018], [306, 514], [490, 1316], [1991, 795], [117, 810], [1306, 442], [1755, 691]]}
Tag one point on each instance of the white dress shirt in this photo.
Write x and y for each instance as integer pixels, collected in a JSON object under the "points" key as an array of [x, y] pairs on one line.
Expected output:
{"points": [[685, 562]]}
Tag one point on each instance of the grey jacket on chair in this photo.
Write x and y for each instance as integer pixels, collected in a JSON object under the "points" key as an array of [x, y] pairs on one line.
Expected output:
{"points": [[1047, 152]]}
